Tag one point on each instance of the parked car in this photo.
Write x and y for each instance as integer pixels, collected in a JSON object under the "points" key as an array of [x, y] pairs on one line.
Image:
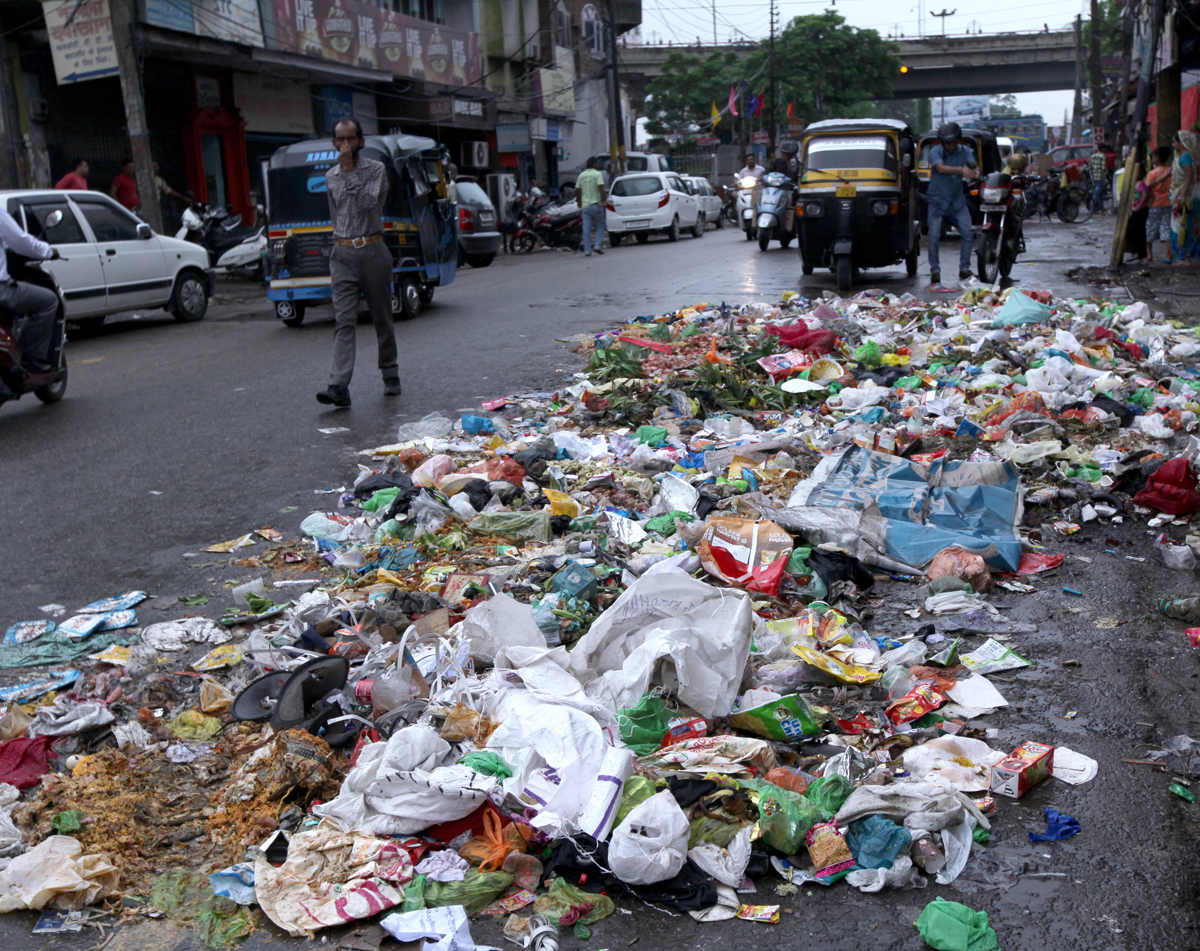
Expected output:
{"points": [[1079, 154], [634, 162], [658, 202], [111, 260], [478, 231], [706, 196]]}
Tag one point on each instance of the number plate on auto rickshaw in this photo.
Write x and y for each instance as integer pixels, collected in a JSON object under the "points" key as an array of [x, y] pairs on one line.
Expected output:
{"points": [[846, 191]]}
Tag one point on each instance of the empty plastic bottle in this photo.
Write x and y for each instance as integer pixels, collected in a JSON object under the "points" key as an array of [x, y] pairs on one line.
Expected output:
{"points": [[1181, 609]]}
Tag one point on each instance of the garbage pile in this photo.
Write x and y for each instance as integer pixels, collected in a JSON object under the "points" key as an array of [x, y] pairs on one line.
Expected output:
{"points": [[615, 641]]}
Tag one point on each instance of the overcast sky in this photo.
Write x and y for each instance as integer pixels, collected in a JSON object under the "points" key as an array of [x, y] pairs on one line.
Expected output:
{"points": [[682, 22]]}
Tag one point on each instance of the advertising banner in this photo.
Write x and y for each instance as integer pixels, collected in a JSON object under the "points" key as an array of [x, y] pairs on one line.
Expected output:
{"points": [[359, 34]]}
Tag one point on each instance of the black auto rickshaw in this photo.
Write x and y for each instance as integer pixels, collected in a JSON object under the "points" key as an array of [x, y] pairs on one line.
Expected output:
{"points": [[418, 218], [857, 202], [987, 156]]}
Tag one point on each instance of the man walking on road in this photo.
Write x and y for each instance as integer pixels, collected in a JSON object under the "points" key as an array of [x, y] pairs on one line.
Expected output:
{"points": [[951, 163], [124, 187], [1098, 166], [360, 264], [591, 203], [76, 180]]}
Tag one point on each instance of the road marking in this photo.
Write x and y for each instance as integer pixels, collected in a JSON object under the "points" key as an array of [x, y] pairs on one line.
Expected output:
{"points": [[90, 360]]}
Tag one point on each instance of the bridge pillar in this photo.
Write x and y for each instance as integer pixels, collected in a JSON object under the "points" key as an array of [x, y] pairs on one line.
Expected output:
{"points": [[1167, 93]]}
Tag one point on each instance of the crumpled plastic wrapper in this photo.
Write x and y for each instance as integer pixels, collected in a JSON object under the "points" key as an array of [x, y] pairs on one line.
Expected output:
{"points": [[852, 764], [65, 716], [56, 874], [11, 842], [172, 636], [331, 877]]}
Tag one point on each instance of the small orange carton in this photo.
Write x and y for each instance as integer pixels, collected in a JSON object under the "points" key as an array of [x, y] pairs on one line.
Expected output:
{"points": [[1022, 769]]}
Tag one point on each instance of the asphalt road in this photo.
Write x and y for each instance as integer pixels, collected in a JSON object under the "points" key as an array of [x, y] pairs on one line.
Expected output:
{"points": [[172, 437]]}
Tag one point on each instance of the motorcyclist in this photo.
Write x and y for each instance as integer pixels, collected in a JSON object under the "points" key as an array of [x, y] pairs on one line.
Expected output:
{"points": [[785, 158], [952, 163], [32, 308], [751, 169]]}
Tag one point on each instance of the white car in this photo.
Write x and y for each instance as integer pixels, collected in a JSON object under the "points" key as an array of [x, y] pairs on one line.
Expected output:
{"points": [[706, 196], [649, 202], [111, 260]]}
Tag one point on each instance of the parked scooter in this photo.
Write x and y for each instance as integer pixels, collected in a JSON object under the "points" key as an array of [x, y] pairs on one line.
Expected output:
{"points": [[776, 213], [1002, 233], [238, 248], [745, 205], [556, 226], [15, 380]]}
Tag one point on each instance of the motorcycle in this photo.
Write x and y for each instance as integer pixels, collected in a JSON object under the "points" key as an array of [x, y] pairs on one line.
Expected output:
{"points": [[15, 380], [1046, 196], [556, 226], [1002, 233], [776, 214], [745, 205], [238, 248]]}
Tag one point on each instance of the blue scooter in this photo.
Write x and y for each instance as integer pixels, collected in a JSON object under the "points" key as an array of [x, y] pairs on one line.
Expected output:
{"points": [[776, 214]]}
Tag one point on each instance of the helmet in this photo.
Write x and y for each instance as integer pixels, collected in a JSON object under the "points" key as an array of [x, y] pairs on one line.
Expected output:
{"points": [[789, 147], [1018, 161], [949, 132]]}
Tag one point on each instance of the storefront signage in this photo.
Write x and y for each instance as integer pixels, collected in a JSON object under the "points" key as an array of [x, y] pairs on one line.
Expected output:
{"points": [[512, 137], [356, 33], [273, 104], [235, 21], [81, 39]]}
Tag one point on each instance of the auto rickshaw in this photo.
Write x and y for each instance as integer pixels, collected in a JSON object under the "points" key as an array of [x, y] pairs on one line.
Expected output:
{"points": [[987, 156], [857, 202], [418, 219]]}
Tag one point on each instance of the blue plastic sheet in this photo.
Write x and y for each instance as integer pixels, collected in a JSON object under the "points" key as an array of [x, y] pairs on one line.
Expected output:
{"points": [[876, 841], [911, 512], [1020, 310]]}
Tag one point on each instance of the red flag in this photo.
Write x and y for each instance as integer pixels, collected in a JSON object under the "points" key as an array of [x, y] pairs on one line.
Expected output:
{"points": [[760, 99], [791, 109]]}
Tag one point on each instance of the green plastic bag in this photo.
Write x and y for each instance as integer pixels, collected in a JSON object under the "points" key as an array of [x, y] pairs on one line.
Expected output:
{"points": [[637, 790], [651, 435], [665, 524], [488, 763], [830, 792], [414, 894], [381, 499], [68, 822], [529, 526], [188, 896], [869, 354], [786, 719], [474, 893], [717, 831], [562, 896], [949, 926], [643, 725], [784, 816]]}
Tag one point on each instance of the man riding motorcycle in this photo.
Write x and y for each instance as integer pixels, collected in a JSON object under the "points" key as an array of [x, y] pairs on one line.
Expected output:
{"points": [[18, 299], [785, 158]]}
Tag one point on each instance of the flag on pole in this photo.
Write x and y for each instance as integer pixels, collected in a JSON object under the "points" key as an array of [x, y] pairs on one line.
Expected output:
{"points": [[732, 102], [754, 105], [716, 114], [791, 109]]}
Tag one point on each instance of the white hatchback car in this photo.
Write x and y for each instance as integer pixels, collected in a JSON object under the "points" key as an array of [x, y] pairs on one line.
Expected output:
{"points": [[706, 196], [112, 261], [646, 202]]}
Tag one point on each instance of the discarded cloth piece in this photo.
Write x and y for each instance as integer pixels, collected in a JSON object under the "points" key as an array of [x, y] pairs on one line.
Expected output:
{"points": [[1059, 826], [331, 877], [24, 761], [56, 647], [444, 866], [56, 874], [915, 805], [64, 716]]}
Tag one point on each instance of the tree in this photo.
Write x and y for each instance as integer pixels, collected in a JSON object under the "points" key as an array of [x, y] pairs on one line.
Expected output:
{"points": [[1004, 107], [1112, 40], [680, 100], [826, 68]]}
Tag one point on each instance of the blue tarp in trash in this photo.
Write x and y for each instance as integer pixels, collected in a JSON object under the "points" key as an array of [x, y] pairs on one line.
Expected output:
{"points": [[911, 512]]}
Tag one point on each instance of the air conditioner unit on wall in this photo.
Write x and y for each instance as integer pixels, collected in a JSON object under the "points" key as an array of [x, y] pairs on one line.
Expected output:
{"points": [[475, 154]]}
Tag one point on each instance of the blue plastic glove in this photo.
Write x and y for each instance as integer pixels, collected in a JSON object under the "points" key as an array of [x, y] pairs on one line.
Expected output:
{"points": [[1059, 826]]}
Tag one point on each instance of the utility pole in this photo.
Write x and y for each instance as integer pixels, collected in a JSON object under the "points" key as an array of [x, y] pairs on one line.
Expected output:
{"points": [[771, 63], [135, 111], [1077, 112], [714, 6], [945, 13], [616, 130], [1096, 81], [12, 119]]}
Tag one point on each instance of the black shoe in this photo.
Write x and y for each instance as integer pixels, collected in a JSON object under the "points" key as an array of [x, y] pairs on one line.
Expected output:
{"points": [[335, 396], [963, 275], [935, 277], [391, 387], [32, 366], [598, 250]]}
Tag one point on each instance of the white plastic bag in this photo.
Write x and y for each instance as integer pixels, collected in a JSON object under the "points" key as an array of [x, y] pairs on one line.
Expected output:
{"points": [[727, 866], [497, 624], [650, 845], [435, 425]]}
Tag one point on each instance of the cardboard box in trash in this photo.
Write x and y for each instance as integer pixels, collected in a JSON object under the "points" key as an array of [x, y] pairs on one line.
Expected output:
{"points": [[1022, 769]]}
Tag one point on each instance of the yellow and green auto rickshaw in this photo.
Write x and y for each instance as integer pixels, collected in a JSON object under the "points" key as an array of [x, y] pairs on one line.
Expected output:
{"points": [[858, 197], [419, 221]]}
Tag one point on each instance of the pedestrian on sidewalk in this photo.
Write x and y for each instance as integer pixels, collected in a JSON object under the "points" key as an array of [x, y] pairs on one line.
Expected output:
{"points": [[1185, 224], [1135, 231], [1158, 215], [75, 180], [592, 196], [124, 187], [951, 163], [360, 264]]}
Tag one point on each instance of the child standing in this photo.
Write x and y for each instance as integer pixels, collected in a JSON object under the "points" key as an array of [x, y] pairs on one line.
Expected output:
{"points": [[1158, 219]]}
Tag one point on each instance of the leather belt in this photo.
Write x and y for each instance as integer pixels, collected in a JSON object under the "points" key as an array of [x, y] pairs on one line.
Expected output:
{"points": [[358, 242]]}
